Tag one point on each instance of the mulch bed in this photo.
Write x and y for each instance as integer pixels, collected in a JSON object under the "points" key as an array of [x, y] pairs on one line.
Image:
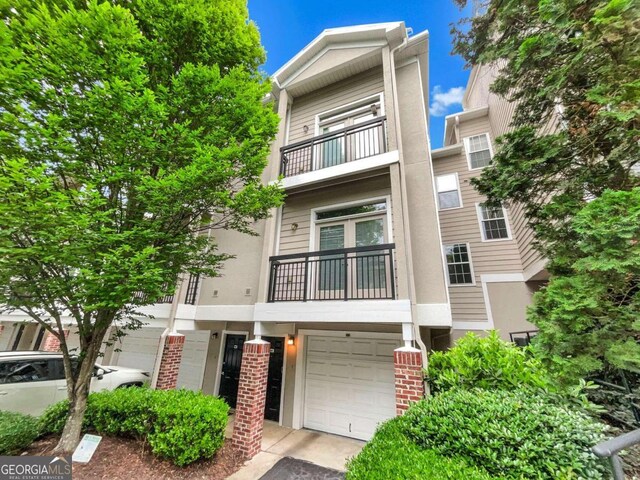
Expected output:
{"points": [[125, 458]]}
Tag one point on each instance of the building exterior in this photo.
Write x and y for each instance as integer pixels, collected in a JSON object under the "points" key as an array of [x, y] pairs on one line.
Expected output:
{"points": [[381, 251]]}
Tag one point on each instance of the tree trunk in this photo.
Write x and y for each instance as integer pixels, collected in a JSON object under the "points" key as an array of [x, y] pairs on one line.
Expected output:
{"points": [[78, 391], [73, 427]]}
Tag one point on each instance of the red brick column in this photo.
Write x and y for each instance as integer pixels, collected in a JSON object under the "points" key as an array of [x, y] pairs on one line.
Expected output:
{"points": [[52, 343], [409, 377], [170, 361], [252, 390]]}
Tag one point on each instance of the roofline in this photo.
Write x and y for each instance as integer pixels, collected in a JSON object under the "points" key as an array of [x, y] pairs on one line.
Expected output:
{"points": [[446, 151], [328, 32], [477, 112]]}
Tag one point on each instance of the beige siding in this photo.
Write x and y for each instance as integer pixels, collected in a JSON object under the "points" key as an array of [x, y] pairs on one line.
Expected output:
{"points": [[297, 209], [461, 225], [304, 109], [500, 115]]}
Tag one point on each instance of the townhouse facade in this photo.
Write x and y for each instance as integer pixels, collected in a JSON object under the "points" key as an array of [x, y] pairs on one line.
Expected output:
{"points": [[381, 252]]}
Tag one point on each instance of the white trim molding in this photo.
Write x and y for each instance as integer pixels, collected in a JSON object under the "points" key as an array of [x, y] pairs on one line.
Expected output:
{"points": [[341, 170], [354, 311], [225, 313]]}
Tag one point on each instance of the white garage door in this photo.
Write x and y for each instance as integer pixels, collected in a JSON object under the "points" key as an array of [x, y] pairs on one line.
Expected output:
{"points": [[194, 357], [139, 348], [349, 385]]}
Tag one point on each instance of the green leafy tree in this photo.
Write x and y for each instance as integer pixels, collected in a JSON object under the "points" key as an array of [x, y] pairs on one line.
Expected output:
{"points": [[571, 67], [590, 318], [128, 131]]}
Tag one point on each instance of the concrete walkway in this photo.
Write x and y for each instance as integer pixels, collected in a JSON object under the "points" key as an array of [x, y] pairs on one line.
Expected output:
{"points": [[326, 450]]}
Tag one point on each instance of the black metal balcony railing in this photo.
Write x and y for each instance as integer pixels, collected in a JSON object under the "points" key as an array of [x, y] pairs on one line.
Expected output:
{"points": [[334, 148], [144, 297], [192, 289], [359, 273]]}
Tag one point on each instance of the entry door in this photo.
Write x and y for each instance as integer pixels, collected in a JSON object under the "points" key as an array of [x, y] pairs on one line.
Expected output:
{"points": [[367, 275], [274, 382], [230, 375]]}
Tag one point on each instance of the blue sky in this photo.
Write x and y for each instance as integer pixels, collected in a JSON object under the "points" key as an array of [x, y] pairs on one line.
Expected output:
{"points": [[287, 26]]}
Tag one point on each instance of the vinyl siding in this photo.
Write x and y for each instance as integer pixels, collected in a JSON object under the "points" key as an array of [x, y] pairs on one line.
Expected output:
{"points": [[297, 209], [305, 108], [461, 226], [500, 115]]}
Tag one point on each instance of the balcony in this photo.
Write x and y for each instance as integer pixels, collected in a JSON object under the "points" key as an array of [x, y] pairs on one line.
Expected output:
{"points": [[358, 273], [350, 144]]}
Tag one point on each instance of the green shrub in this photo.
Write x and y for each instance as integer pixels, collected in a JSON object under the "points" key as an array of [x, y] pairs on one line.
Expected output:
{"points": [[391, 455], [53, 419], [188, 426], [489, 363], [124, 412], [180, 425], [17, 431], [511, 434]]}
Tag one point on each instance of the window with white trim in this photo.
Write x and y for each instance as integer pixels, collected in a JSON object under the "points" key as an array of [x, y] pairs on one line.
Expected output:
{"points": [[448, 191], [458, 264], [478, 150], [493, 221]]}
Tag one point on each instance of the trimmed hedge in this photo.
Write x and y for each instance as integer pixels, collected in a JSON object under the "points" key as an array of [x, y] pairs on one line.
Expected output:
{"points": [[180, 425], [17, 432], [515, 435], [392, 455]]}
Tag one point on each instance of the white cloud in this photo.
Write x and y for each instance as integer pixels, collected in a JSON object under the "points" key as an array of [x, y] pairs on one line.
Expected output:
{"points": [[441, 101]]}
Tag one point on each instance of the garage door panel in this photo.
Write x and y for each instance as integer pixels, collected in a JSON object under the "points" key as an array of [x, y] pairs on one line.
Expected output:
{"points": [[352, 394], [139, 348], [194, 357]]}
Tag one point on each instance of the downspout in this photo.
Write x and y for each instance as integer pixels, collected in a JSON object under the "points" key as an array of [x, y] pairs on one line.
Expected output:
{"points": [[405, 206]]}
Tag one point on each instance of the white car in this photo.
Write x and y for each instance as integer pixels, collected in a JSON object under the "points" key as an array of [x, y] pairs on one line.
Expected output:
{"points": [[31, 381]]}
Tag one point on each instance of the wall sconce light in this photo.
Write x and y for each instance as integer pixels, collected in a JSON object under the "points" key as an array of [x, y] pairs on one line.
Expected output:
{"points": [[214, 335], [294, 227], [374, 110], [291, 340], [305, 128]]}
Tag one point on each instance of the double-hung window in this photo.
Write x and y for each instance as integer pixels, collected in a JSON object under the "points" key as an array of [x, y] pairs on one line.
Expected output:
{"points": [[478, 150], [459, 264], [493, 223], [448, 191]]}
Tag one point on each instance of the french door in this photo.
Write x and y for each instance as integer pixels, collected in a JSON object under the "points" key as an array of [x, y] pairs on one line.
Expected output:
{"points": [[356, 274]]}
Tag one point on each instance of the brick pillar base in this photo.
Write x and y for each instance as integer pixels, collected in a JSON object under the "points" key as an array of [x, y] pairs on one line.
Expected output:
{"points": [[409, 377], [52, 343], [170, 361], [252, 390]]}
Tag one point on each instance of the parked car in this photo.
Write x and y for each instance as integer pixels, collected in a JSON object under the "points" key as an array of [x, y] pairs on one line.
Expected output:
{"points": [[31, 381]]}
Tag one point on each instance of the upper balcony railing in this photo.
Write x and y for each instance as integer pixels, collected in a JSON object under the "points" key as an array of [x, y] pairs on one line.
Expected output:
{"points": [[352, 143], [359, 273]]}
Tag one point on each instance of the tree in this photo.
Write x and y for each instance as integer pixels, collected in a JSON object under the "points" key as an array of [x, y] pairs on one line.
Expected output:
{"points": [[128, 131], [571, 67]]}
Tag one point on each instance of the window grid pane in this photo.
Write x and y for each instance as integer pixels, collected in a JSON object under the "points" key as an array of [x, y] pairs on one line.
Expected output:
{"points": [[494, 223], [479, 151], [458, 264]]}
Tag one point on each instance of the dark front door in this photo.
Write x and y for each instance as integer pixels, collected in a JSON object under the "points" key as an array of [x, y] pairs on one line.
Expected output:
{"points": [[230, 374], [274, 382]]}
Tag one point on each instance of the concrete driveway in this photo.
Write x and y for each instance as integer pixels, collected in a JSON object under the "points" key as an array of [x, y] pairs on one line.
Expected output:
{"points": [[324, 449]]}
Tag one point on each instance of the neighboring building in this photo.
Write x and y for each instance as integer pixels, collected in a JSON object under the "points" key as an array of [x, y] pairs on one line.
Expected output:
{"points": [[381, 252], [493, 266]]}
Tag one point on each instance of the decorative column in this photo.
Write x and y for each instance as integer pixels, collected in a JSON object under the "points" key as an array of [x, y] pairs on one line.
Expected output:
{"points": [[170, 361], [252, 390], [52, 343], [409, 377]]}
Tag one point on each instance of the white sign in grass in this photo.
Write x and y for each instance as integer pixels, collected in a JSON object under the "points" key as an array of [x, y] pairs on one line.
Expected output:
{"points": [[85, 449]]}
